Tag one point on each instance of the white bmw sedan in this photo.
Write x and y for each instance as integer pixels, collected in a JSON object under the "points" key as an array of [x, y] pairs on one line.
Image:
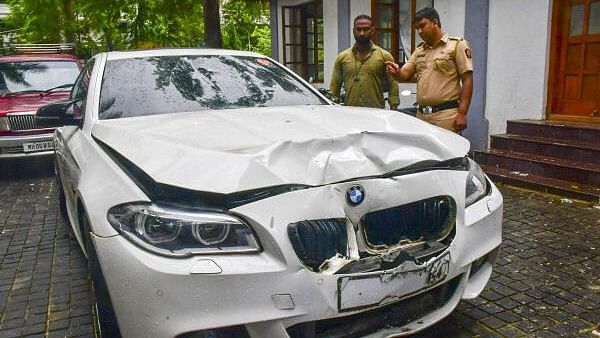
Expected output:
{"points": [[217, 194]]}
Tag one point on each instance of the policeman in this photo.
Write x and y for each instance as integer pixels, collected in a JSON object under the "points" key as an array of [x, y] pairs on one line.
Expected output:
{"points": [[444, 70], [362, 70]]}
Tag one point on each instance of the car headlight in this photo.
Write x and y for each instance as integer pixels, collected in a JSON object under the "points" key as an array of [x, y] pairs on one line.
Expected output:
{"points": [[4, 124], [476, 184], [173, 232]]}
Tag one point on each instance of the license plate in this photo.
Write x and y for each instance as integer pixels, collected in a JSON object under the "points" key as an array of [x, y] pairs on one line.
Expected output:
{"points": [[367, 290], [38, 146]]}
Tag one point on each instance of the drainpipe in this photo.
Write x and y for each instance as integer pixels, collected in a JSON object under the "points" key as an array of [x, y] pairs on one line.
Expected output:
{"points": [[274, 30], [476, 32], [343, 11]]}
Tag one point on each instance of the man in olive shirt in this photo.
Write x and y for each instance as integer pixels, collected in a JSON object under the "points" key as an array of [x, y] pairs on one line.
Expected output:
{"points": [[362, 70], [444, 70]]}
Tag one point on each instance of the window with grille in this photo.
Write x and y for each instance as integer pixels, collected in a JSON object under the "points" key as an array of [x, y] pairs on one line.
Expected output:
{"points": [[303, 40], [393, 21]]}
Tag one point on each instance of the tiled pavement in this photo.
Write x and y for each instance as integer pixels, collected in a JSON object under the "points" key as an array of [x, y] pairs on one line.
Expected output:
{"points": [[545, 284]]}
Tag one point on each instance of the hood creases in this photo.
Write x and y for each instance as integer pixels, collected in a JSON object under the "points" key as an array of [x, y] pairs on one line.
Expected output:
{"points": [[274, 146]]}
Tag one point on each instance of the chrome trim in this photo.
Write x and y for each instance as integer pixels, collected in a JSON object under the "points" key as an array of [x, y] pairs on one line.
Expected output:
{"points": [[22, 121]]}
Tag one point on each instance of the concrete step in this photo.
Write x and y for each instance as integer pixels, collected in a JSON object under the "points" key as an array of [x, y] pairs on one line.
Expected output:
{"points": [[541, 183], [543, 166], [559, 131], [568, 150]]}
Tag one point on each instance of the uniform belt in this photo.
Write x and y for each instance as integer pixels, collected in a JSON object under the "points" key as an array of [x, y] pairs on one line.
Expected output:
{"points": [[439, 107]]}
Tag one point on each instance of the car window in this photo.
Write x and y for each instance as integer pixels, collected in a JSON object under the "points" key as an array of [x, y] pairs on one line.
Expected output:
{"points": [[36, 76], [168, 84], [79, 91]]}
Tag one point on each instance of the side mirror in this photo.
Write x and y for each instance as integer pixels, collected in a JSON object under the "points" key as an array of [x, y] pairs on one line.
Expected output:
{"points": [[327, 93], [412, 111], [57, 115]]}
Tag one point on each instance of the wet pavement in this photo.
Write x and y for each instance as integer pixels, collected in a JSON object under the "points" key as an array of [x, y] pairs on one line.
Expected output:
{"points": [[546, 282]]}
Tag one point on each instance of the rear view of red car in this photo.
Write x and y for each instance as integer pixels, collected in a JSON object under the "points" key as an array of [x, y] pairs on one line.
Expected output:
{"points": [[34, 76]]}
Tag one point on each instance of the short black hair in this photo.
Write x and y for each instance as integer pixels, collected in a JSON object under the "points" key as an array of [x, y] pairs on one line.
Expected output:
{"points": [[428, 13], [363, 16]]}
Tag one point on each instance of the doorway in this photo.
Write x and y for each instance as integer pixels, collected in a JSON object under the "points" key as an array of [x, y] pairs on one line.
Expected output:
{"points": [[574, 86]]}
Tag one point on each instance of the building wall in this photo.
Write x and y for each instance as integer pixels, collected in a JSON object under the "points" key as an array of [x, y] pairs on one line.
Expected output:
{"points": [[452, 15], [358, 7], [4, 11], [330, 34], [518, 48]]}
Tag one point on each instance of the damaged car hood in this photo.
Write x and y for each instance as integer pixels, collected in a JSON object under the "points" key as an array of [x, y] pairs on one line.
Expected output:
{"points": [[225, 151]]}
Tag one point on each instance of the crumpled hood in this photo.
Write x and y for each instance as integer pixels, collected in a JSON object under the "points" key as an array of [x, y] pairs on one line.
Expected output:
{"points": [[234, 150]]}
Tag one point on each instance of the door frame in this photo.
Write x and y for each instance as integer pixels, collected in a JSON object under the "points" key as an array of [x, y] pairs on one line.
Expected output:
{"points": [[556, 35]]}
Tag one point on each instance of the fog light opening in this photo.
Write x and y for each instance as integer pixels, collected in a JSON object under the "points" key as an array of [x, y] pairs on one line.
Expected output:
{"points": [[478, 264], [225, 332]]}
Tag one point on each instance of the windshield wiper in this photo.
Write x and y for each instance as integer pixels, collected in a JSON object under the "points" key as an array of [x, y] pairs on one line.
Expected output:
{"points": [[29, 91], [66, 85]]}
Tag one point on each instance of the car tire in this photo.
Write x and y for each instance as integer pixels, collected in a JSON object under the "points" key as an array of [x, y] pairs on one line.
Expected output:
{"points": [[104, 319]]}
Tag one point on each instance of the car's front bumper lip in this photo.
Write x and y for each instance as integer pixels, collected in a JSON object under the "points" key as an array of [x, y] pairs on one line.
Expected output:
{"points": [[161, 297], [12, 146], [156, 304]]}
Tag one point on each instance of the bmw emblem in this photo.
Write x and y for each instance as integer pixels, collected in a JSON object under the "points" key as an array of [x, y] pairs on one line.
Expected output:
{"points": [[355, 195]]}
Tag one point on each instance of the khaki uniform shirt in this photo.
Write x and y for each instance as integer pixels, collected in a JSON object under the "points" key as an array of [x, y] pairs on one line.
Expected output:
{"points": [[364, 80], [438, 69]]}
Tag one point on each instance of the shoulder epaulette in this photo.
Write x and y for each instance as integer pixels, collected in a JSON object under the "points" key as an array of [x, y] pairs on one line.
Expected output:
{"points": [[458, 40]]}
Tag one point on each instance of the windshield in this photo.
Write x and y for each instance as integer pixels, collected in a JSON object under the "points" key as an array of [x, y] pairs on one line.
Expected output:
{"points": [[168, 84], [36, 76]]}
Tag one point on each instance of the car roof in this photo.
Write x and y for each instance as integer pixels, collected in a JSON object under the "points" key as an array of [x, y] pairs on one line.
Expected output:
{"points": [[177, 52], [38, 57]]}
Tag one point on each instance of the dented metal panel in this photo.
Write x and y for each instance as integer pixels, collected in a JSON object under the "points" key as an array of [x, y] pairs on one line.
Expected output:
{"points": [[250, 148]]}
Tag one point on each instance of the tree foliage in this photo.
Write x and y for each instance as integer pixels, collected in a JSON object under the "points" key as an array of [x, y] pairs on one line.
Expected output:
{"points": [[41, 20], [246, 26], [103, 25]]}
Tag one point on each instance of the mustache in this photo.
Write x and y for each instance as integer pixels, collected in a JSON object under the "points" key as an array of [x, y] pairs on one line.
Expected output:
{"points": [[363, 40]]}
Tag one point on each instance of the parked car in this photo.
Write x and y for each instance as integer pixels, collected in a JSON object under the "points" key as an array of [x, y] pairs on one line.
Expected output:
{"points": [[217, 194], [37, 76]]}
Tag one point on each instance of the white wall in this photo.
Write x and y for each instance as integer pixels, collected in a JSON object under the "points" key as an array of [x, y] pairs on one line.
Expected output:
{"points": [[330, 39], [452, 15], [358, 7], [518, 44], [4, 11]]}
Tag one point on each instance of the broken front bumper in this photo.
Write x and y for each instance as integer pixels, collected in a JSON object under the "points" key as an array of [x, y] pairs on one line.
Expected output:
{"points": [[273, 294]]}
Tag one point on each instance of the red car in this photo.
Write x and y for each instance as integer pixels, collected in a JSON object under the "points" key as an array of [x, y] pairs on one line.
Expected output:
{"points": [[28, 81]]}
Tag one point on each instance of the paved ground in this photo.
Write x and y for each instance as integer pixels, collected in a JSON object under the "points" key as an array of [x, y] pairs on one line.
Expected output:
{"points": [[546, 282]]}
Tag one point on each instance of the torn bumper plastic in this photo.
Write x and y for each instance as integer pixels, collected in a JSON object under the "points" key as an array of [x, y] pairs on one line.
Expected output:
{"points": [[274, 294]]}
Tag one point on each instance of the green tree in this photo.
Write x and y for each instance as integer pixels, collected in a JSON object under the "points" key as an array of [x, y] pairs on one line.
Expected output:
{"points": [[103, 25], [43, 21], [246, 25]]}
